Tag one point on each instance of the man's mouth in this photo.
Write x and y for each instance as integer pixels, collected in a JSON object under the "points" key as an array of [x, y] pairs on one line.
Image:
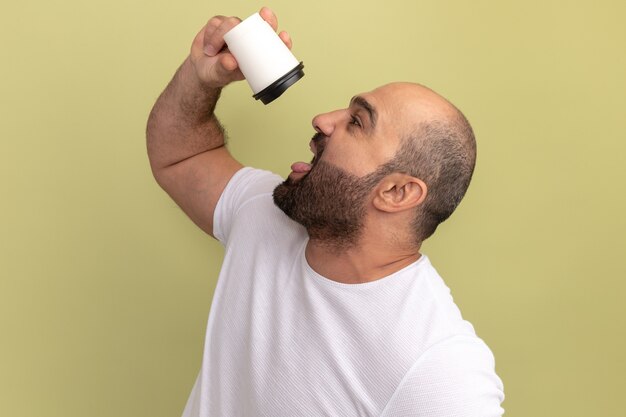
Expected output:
{"points": [[317, 147]]}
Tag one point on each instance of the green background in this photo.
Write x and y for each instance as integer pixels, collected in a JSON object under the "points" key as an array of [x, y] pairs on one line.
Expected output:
{"points": [[105, 286]]}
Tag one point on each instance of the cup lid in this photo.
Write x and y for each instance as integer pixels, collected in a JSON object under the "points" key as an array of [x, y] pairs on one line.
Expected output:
{"points": [[278, 87]]}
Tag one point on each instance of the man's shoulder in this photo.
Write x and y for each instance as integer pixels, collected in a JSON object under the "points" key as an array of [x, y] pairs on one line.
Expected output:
{"points": [[454, 377], [249, 182], [246, 207], [435, 314]]}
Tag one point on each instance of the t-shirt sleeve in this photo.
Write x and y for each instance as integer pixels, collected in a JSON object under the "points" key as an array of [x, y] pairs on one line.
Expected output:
{"points": [[245, 186], [455, 378]]}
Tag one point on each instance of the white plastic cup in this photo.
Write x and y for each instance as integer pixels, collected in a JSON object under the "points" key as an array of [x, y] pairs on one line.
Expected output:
{"points": [[266, 62]]}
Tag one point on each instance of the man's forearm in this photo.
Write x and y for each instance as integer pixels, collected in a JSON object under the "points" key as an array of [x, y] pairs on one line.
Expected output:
{"points": [[182, 122]]}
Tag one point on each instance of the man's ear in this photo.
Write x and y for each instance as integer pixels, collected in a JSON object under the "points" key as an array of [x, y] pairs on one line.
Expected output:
{"points": [[397, 192]]}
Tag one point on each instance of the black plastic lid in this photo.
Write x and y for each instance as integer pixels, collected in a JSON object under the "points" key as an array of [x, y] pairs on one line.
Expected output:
{"points": [[275, 89]]}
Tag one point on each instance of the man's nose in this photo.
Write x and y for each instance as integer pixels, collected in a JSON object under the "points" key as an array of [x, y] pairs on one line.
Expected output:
{"points": [[325, 123]]}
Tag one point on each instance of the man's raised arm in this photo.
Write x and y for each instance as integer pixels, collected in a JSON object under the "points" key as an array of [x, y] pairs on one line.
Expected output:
{"points": [[184, 138]]}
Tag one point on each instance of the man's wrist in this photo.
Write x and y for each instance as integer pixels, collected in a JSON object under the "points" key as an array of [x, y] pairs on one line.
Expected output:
{"points": [[192, 77], [198, 99]]}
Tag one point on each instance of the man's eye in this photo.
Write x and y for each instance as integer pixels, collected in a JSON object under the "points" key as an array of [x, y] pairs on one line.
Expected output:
{"points": [[355, 121]]}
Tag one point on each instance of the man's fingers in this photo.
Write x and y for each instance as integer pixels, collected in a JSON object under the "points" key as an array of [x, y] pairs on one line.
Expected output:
{"points": [[214, 33], [209, 29], [284, 36], [227, 68], [268, 15], [228, 63]]}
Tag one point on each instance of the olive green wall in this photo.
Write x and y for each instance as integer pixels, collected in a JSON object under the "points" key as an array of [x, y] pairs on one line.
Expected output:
{"points": [[105, 286]]}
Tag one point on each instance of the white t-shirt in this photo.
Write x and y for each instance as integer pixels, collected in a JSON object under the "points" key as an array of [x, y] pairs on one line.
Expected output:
{"points": [[283, 340]]}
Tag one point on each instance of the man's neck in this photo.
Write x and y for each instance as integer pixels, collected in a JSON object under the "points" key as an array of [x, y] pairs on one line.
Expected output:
{"points": [[369, 260]]}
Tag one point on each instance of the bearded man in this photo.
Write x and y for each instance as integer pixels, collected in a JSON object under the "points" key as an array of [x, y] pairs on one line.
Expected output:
{"points": [[324, 304]]}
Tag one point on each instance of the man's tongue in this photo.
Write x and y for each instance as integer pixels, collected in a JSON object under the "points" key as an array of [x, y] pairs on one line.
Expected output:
{"points": [[300, 167]]}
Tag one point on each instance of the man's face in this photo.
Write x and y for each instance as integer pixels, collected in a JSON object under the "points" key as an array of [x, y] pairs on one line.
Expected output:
{"points": [[329, 197]]}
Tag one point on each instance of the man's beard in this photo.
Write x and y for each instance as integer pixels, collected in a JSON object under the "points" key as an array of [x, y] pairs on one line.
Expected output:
{"points": [[329, 202]]}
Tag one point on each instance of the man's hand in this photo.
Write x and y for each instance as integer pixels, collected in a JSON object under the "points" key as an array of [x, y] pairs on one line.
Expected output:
{"points": [[215, 66]]}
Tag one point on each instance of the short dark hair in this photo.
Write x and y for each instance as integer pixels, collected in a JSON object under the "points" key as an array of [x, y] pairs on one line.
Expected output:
{"points": [[442, 153]]}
